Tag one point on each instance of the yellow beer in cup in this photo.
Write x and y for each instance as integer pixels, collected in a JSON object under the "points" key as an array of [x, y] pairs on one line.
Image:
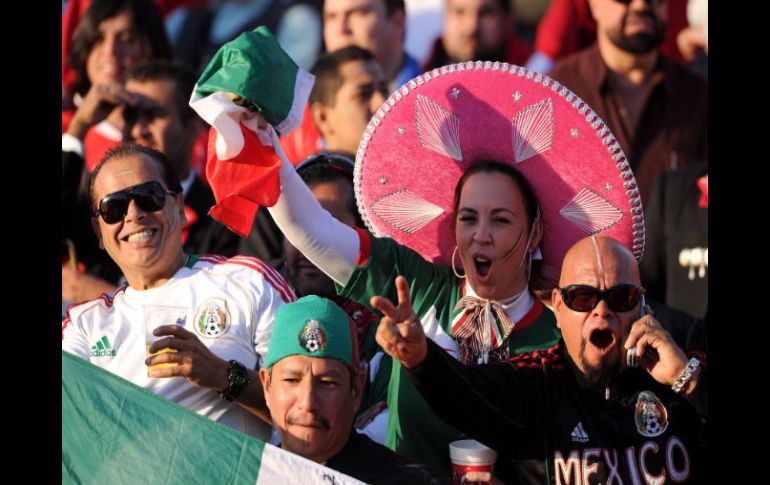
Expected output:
{"points": [[159, 366], [157, 316]]}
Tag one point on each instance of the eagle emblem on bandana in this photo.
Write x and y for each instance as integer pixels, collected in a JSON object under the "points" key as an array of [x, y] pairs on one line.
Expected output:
{"points": [[312, 337], [212, 319], [651, 416]]}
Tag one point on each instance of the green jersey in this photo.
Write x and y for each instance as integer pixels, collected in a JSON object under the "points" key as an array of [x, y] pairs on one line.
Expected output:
{"points": [[413, 430]]}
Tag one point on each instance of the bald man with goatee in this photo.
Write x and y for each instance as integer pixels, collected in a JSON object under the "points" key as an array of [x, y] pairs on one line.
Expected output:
{"points": [[615, 400]]}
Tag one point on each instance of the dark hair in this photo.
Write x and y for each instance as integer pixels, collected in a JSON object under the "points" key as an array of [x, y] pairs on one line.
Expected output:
{"points": [[531, 204], [327, 72], [506, 5], [147, 24], [327, 167], [393, 6], [126, 149], [181, 75]]}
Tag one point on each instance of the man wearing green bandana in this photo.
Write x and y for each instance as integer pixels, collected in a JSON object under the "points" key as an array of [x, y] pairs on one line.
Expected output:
{"points": [[313, 383]]}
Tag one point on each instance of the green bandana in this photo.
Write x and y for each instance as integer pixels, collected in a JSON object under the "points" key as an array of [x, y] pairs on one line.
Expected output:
{"points": [[314, 327]]}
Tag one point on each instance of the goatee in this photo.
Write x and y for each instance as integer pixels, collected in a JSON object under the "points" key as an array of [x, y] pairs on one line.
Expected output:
{"points": [[599, 376], [643, 42]]}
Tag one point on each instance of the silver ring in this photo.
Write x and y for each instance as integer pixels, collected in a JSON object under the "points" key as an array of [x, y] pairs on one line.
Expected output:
{"points": [[631, 360]]}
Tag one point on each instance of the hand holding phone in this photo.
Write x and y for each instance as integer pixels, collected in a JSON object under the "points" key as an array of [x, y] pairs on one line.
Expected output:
{"points": [[633, 360]]}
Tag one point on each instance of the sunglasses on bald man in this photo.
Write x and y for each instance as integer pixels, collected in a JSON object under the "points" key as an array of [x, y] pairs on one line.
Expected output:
{"points": [[149, 196], [584, 298]]}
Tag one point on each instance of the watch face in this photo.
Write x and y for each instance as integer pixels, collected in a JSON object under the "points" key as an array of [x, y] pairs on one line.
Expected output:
{"points": [[237, 375], [239, 378]]}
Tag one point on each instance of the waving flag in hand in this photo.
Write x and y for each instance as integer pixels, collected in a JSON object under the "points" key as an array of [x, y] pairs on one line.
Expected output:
{"points": [[250, 79]]}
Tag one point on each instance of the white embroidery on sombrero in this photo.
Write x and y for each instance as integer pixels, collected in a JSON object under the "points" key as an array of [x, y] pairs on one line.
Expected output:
{"points": [[533, 130], [437, 128], [406, 211], [589, 123], [591, 212]]}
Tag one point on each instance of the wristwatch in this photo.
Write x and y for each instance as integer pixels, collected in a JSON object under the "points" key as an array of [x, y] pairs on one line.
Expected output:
{"points": [[238, 377]]}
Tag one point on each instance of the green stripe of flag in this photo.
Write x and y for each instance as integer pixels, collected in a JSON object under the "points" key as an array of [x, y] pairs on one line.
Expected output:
{"points": [[255, 67], [116, 432]]}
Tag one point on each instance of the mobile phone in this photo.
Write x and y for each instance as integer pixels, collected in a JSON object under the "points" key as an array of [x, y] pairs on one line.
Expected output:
{"points": [[632, 360]]}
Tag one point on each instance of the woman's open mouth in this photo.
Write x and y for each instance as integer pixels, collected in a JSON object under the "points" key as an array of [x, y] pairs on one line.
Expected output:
{"points": [[483, 267]]}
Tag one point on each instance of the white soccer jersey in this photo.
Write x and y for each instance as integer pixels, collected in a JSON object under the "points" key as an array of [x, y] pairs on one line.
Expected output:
{"points": [[229, 304]]}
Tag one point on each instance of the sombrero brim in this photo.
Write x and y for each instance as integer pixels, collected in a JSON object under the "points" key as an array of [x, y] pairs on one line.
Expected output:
{"points": [[429, 131]]}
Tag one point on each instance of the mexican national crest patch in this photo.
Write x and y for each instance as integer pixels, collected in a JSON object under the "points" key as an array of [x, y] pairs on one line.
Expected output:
{"points": [[212, 318], [651, 416], [312, 337]]}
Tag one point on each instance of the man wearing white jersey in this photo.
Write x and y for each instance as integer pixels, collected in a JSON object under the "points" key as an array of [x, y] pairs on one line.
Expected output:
{"points": [[216, 314]]}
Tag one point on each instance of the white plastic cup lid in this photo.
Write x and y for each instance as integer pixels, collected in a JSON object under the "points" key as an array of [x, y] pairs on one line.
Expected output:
{"points": [[471, 452]]}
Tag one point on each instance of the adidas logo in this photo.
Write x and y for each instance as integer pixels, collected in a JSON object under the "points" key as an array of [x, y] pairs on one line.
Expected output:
{"points": [[102, 348], [578, 434]]}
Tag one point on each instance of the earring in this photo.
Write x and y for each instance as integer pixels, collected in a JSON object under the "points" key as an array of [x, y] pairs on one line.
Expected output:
{"points": [[454, 270], [529, 265]]}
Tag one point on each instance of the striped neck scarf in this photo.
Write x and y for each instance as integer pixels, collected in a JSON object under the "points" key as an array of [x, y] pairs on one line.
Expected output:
{"points": [[484, 327]]}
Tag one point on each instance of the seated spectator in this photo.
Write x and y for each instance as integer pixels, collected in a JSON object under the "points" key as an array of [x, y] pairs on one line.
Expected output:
{"points": [[155, 114], [224, 308], [112, 36], [616, 394], [313, 383], [330, 177]]}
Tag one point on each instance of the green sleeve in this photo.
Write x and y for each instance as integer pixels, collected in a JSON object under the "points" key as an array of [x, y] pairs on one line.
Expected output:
{"points": [[429, 284]]}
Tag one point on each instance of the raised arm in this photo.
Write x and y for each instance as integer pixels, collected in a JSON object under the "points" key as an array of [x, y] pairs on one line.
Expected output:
{"points": [[496, 404], [328, 243]]}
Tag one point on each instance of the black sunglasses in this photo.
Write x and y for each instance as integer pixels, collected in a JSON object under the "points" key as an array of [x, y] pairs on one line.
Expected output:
{"points": [[654, 3], [149, 196], [584, 298]]}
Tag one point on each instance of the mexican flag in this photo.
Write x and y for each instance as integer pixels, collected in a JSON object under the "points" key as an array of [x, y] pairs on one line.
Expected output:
{"points": [[249, 79], [116, 432]]}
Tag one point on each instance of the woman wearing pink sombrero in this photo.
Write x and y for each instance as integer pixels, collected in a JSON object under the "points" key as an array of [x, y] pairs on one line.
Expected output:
{"points": [[474, 180]]}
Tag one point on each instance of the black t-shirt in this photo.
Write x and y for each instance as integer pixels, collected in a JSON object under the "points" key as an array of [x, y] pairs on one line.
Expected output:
{"points": [[552, 426], [365, 460]]}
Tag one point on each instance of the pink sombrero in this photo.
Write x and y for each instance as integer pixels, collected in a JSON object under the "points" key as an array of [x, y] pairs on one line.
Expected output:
{"points": [[429, 131]]}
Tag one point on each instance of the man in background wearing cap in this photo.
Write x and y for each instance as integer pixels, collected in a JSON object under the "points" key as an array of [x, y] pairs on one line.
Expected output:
{"points": [[313, 384]]}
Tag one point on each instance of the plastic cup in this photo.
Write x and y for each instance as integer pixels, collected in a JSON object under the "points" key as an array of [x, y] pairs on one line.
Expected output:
{"points": [[470, 455], [156, 316]]}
